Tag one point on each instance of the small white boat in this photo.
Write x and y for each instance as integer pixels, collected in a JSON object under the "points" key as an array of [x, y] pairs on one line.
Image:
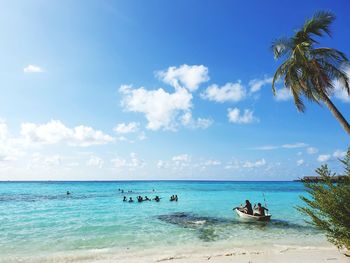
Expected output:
{"points": [[251, 218]]}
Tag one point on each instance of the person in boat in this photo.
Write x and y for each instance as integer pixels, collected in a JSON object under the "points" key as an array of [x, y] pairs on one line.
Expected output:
{"points": [[130, 200], [124, 199], [248, 208], [157, 199], [260, 210]]}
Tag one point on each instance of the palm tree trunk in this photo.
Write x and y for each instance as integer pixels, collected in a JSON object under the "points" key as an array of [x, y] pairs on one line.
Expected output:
{"points": [[343, 122]]}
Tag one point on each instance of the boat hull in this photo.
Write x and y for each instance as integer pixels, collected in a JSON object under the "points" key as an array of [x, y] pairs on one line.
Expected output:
{"points": [[252, 218]]}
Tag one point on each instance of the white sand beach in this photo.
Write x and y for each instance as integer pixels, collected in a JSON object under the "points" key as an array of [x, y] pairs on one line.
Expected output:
{"points": [[273, 254]]}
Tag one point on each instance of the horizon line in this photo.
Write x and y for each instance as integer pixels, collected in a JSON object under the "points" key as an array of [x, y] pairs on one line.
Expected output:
{"points": [[139, 180]]}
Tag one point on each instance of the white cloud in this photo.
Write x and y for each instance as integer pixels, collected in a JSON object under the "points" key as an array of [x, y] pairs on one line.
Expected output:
{"points": [[32, 69], [177, 162], [256, 84], [311, 150], [186, 119], [127, 127], [294, 145], [341, 94], [266, 147], [4, 133], [324, 157], [300, 162], [95, 161], [339, 154], [283, 94], [142, 136], [229, 92], [258, 163], [184, 161], [118, 163], [212, 163], [234, 164], [161, 164], [11, 148], [181, 158], [189, 77], [56, 132], [133, 163], [201, 123], [43, 161], [160, 107], [339, 91], [285, 146], [235, 116]]}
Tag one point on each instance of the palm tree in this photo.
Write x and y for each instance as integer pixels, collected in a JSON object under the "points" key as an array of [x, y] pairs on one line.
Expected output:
{"points": [[309, 71]]}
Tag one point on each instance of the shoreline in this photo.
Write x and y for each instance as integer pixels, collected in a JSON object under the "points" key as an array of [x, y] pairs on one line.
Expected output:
{"points": [[252, 254]]}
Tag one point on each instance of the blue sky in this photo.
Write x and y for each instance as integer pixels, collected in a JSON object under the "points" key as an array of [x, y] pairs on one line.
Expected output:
{"points": [[108, 90]]}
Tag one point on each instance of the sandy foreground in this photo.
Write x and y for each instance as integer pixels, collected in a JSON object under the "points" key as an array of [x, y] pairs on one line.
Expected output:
{"points": [[274, 254]]}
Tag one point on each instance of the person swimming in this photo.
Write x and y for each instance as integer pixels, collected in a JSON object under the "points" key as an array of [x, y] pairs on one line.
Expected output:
{"points": [[68, 193], [147, 199], [157, 199], [124, 199], [139, 199], [130, 200], [173, 198]]}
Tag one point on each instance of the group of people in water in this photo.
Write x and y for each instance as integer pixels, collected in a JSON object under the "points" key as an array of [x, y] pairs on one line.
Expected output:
{"points": [[174, 198], [141, 199], [146, 198], [258, 210], [129, 191]]}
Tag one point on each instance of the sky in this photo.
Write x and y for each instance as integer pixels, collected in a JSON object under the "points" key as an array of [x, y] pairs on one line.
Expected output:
{"points": [[159, 90]]}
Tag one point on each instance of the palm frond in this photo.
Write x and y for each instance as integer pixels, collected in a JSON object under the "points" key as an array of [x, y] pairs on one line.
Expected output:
{"points": [[319, 24], [280, 72], [281, 47], [298, 101], [331, 55], [310, 91]]}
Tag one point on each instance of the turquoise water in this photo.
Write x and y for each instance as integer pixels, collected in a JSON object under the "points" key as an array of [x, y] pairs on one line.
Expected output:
{"points": [[38, 217]]}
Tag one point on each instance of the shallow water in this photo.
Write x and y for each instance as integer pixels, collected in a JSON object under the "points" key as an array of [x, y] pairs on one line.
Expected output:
{"points": [[38, 217]]}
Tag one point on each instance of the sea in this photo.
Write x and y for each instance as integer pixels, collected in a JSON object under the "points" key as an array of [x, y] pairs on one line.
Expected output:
{"points": [[39, 221]]}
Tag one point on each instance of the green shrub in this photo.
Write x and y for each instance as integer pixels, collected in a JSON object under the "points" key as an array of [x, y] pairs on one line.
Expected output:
{"points": [[328, 204]]}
